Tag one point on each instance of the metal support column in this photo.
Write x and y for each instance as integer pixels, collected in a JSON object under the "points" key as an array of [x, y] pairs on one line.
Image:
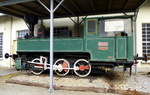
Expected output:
{"points": [[51, 89], [51, 11], [134, 42], [134, 37], [78, 26]]}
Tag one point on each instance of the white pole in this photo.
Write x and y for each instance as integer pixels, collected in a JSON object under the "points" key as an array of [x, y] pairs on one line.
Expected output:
{"points": [[51, 89], [51, 11]]}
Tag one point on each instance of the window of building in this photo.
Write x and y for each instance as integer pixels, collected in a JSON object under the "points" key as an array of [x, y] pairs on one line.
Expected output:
{"points": [[146, 38], [1, 45], [22, 33]]}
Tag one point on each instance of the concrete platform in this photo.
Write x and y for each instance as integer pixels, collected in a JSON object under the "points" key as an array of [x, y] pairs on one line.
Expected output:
{"points": [[7, 71]]}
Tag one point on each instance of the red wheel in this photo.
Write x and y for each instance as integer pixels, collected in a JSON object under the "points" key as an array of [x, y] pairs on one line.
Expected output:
{"points": [[82, 68], [62, 67]]}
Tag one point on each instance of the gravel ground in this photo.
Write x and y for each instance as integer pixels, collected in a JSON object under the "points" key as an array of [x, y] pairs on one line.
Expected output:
{"points": [[113, 80], [65, 81], [14, 89], [138, 82]]}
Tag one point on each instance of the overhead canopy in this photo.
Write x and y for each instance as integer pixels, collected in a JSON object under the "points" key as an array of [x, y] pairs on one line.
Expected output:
{"points": [[70, 8]]}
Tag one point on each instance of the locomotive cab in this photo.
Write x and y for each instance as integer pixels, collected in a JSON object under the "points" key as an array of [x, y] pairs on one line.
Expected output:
{"points": [[109, 39]]}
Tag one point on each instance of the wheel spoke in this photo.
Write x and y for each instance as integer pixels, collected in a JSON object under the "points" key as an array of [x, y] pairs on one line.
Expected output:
{"points": [[34, 70], [62, 63], [84, 68]]}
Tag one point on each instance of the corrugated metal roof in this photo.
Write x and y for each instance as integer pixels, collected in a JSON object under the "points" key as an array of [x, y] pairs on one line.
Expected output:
{"points": [[69, 7]]}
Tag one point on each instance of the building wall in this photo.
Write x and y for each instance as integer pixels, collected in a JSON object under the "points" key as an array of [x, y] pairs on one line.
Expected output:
{"points": [[5, 28], [8, 26], [143, 17], [17, 24]]}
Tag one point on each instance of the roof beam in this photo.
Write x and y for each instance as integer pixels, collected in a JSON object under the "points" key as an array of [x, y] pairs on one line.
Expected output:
{"points": [[125, 4], [141, 2], [66, 9], [43, 5], [34, 10], [75, 5], [92, 4], [11, 10], [12, 2], [109, 4], [10, 13], [25, 9], [43, 11], [106, 12]]}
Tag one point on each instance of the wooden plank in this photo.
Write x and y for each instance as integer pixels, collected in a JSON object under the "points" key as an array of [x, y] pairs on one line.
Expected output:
{"points": [[84, 89]]}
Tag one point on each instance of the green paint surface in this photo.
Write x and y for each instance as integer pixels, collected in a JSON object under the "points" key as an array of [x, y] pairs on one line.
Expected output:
{"points": [[130, 55], [101, 48], [18, 64], [42, 45], [121, 47]]}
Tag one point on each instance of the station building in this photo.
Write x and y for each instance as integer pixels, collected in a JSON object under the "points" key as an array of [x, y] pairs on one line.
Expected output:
{"points": [[12, 28]]}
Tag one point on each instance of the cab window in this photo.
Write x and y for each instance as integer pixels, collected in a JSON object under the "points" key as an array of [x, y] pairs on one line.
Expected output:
{"points": [[102, 30], [114, 27], [91, 26]]}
